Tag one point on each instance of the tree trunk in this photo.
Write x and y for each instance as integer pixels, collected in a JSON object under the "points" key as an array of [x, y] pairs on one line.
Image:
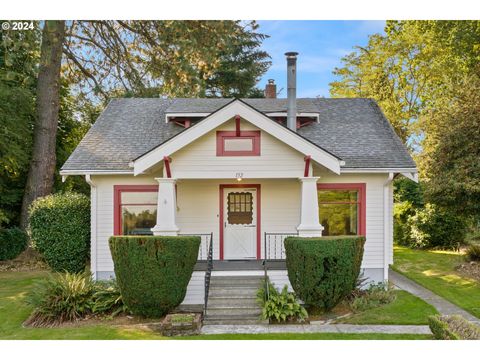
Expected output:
{"points": [[42, 166]]}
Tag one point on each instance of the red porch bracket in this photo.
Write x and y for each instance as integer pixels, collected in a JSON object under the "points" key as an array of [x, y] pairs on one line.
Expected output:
{"points": [[237, 125], [167, 161], [307, 166]]}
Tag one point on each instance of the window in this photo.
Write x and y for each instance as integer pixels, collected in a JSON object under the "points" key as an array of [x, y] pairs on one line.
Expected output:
{"points": [[240, 208], [135, 209], [229, 144], [341, 208]]}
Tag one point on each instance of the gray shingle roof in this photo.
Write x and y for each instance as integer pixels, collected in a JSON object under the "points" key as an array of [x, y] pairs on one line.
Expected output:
{"points": [[182, 105], [353, 129]]}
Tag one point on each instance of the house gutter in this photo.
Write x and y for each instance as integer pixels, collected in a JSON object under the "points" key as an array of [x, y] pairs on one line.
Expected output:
{"points": [[93, 226], [386, 223]]}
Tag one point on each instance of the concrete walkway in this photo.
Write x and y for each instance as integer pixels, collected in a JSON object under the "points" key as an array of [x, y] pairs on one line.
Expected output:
{"points": [[313, 328], [443, 306]]}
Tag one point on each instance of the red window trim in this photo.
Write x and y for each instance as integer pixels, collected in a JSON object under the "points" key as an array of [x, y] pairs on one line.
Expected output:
{"points": [[117, 192], [259, 214], [222, 135], [362, 197]]}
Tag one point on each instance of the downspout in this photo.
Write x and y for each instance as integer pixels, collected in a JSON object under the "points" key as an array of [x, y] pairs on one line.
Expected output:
{"points": [[386, 224], [93, 226]]}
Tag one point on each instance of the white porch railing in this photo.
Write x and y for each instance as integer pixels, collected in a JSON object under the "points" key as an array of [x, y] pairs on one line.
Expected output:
{"points": [[204, 245]]}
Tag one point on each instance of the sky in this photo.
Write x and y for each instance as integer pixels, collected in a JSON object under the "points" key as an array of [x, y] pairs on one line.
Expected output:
{"points": [[320, 44]]}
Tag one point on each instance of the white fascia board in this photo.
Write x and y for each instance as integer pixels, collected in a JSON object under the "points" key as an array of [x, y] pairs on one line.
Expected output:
{"points": [[411, 175], [96, 172], [379, 170], [188, 115], [223, 115]]}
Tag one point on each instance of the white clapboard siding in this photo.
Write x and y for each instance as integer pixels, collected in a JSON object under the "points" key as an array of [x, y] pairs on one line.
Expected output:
{"points": [[104, 186], [374, 246], [198, 160]]}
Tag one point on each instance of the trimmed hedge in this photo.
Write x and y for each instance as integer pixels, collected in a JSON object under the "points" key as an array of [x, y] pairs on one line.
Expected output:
{"points": [[153, 271], [60, 230], [453, 327], [324, 270], [12, 242]]}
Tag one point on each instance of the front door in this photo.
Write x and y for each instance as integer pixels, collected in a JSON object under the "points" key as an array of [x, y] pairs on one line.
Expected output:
{"points": [[240, 223]]}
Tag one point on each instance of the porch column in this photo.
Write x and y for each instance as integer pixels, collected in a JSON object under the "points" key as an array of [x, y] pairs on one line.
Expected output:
{"points": [[309, 222], [166, 208]]}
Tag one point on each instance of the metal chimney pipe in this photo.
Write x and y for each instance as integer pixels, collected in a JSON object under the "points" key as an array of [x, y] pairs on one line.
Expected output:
{"points": [[292, 90]]}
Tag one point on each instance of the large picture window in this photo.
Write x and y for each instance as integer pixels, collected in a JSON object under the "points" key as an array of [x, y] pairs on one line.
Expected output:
{"points": [[135, 208], [341, 208]]}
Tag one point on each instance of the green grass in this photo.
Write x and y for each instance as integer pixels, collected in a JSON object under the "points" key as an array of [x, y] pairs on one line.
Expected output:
{"points": [[435, 270], [14, 311], [406, 309]]}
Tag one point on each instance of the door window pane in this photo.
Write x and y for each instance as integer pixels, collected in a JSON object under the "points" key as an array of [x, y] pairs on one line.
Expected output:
{"points": [[240, 208], [138, 219]]}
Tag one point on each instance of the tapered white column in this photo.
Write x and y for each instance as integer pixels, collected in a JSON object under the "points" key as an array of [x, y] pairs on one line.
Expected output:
{"points": [[166, 208], [309, 222]]}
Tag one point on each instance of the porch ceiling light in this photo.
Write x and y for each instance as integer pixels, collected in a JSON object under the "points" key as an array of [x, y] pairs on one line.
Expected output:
{"points": [[239, 176]]}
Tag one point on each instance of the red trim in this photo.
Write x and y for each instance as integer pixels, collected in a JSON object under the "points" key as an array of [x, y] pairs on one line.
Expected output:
{"points": [[362, 201], [237, 125], [222, 135], [166, 160], [307, 165], [117, 191], [259, 213]]}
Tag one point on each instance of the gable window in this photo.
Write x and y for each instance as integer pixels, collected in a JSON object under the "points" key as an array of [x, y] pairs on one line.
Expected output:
{"points": [[247, 143], [341, 208], [135, 209]]}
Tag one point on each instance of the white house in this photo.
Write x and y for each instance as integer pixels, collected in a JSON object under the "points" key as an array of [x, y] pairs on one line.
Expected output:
{"points": [[240, 170]]}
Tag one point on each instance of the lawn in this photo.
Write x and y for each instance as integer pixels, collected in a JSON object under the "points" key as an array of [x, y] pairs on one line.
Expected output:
{"points": [[435, 270], [13, 311], [406, 309]]}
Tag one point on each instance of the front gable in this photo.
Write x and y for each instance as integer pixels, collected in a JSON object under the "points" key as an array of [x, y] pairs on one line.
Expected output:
{"points": [[201, 158], [205, 136]]}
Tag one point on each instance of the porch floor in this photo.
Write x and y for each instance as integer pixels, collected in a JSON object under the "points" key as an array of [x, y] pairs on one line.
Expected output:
{"points": [[234, 265]]}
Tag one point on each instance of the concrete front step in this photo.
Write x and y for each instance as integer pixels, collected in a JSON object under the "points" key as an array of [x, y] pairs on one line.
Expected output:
{"points": [[246, 283], [237, 278], [231, 311], [232, 300], [233, 280], [232, 303]]}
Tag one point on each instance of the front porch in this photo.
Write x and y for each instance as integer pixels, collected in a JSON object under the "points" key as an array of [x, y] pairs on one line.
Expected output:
{"points": [[241, 265], [273, 255]]}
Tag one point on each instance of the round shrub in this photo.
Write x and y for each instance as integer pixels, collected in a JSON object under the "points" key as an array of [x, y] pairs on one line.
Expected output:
{"points": [[60, 230], [12, 242], [153, 271], [433, 227], [324, 270]]}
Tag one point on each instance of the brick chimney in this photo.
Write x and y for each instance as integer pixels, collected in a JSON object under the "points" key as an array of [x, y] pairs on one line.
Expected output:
{"points": [[271, 89]]}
